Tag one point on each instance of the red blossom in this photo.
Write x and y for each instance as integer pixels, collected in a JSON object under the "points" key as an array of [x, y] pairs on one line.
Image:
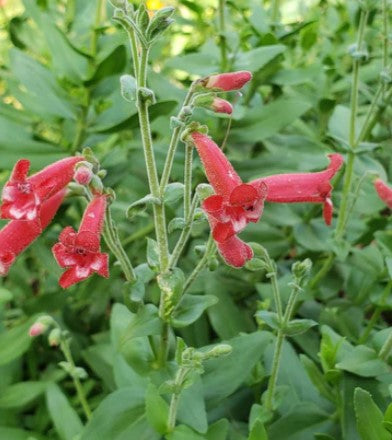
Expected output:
{"points": [[17, 235], [225, 82], [234, 205], [23, 196], [384, 192], [83, 175], [80, 251], [304, 187]]}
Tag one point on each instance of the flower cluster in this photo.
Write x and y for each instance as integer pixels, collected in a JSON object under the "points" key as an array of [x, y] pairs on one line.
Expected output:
{"points": [[235, 203], [32, 202]]}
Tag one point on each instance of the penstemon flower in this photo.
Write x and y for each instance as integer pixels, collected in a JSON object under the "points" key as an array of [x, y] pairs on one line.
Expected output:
{"points": [[214, 103], [226, 82], [234, 205], [384, 192], [80, 251], [17, 235], [23, 196], [304, 187]]}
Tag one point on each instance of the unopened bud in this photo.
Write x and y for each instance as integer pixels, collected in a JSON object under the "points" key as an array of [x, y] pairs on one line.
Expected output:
{"points": [[96, 185], [225, 82], [211, 102], [54, 337], [301, 269], [83, 174], [37, 329], [217, 351]]}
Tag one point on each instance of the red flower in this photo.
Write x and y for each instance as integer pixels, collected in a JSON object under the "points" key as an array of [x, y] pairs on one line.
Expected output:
{"points": [[384, 192], [234, 205], [225, 82], [17, 235], [23, 196], [80, 251], [304, 187]]}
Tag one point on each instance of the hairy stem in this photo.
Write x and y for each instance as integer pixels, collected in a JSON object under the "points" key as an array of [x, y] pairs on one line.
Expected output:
{"points": [[65, 348], [175, 398]]}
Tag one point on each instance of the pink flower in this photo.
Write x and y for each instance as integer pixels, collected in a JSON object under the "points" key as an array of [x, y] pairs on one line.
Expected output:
{"points": [[225, 82], [37, 329], [23, 196], [304, 187], [83, 175], [80, 251], [17, 235], [234, 205], [384, 192]]}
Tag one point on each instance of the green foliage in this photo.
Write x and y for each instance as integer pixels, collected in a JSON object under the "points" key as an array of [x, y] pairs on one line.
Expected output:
{"points": [[67, 82]]}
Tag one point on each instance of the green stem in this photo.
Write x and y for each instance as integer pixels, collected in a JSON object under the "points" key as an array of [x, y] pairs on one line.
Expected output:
{"points": [[376, 117], [174, 140], [369, 113], [274, 284], [376, 314], [64, 345], [349, 173], [152, 174], [113, 242], [164, 344], [275, 11], [210, 249], [188, 180], [275, 370], [185, 233], [175, 398], [222, 36], [385, 11], [386, 348]]}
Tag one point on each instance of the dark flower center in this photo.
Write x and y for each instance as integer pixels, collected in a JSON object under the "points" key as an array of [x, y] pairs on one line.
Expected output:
{"points": [[24, 188]]}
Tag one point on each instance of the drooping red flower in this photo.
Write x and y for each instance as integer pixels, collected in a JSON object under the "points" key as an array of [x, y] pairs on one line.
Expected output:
{"points": [[80, 251], [220, 105], [384, 192], [304, 187], [226, 82], [17, 235], [234, 203], [23, 196]]}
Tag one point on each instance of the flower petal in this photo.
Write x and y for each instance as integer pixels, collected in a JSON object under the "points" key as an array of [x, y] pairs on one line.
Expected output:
{"points": [[235, 251], [243, 194]]}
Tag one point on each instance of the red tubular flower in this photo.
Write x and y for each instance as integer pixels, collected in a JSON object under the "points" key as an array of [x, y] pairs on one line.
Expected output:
{"points": [[23, 196], [234, 205], [17, 235], [80, 251], [384, 192], [225, 82], [304, 187]]}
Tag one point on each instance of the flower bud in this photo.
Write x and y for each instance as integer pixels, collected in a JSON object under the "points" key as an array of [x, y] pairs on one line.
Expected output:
{"points": [[54, 337], [211, 102], [217, 351], [204, 190], [37, 329], [83, 174], [225, 82], [301, 269]]}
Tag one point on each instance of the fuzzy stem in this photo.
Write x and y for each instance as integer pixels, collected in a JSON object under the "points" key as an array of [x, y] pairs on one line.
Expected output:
{"points": [[349, 173], [369, 113], [376, 314], [210, 249], [222, 36], [152, 174], [184, 233], [188, 180], [164, 344], [65, 348], [174, 140], [175, 398], [275, 370]]}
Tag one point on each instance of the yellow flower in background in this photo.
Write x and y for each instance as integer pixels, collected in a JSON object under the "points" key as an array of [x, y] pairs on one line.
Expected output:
{"points": [[154, 5]]}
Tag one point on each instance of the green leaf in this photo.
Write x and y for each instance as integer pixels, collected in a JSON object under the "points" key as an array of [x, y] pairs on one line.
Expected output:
{"points": [[21, 394], [172, 284], [65, 418], [298, 326], [270, 318], [190, 308], [128, 87], [255, 59], [174, 192], [182, 432], [152, 254], [192, 408], [369, 417], [224, 375], [258, 432], [120, 416], [7, 433], [218, 431], [363, 361], [157, 409], [144, 323], [262, 122], [317, 378], [15, 342], [140, 205]]}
